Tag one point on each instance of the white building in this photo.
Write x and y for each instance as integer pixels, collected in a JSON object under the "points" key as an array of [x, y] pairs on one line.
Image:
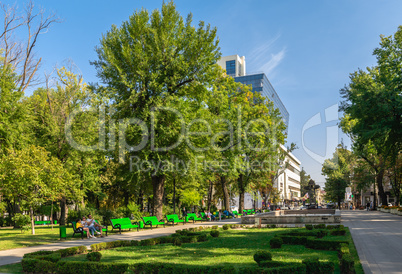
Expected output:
{"points": [[288, 182], [234, 65]]}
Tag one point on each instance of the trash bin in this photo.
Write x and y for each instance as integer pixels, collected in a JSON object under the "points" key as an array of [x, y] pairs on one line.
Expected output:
{"points": [[141, 224], [63, 232], [55, 222]]}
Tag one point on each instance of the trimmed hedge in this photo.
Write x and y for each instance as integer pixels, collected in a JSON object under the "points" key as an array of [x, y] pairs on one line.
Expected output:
{"points": [[91, 267], [324, 244], [179, 268], [319, 226], [30, 265], [271, 264], [276, 242], [347, 264], [44, 255], [314, 266], [338, 232], [214, 233], [72, 251], [226, 227], [322, 234], [294, 240], [94, 256], [309, 227], [262, 255], [344, 249]]}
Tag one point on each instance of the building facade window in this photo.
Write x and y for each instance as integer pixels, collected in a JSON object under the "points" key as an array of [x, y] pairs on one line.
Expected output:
{"points": [[231, 68]]}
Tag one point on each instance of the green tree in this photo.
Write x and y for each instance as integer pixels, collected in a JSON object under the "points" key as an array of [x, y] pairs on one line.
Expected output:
{"points": [[373, 108], [32, 176], [155, 61], [304, 179], [338, 171]]}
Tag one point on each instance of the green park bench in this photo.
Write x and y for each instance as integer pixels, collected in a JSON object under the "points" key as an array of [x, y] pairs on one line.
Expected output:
{"points": [[193, 217], [42, 222], [236, 213], [123, 223], [173, 218], [204, 216], [152, 221], [79, 230]]}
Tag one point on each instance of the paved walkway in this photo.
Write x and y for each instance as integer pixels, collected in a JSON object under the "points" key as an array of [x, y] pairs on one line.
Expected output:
{"points": [[378, 239], [15, 255]]}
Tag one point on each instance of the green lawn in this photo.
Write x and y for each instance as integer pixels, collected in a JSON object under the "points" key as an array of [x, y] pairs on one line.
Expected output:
{"points": [[235, 247], [13, 238]]}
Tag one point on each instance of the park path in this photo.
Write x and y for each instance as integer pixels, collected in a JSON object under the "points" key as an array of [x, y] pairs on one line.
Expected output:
{"points": [[15, 255], [378, 239]]}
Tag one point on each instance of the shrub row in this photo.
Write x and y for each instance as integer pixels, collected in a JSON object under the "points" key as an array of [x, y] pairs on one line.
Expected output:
{"points": [[72, 251], [324, 244], [314, 266], [338, 232], [347, 263], [322, 226], [38, 266], [289, 268]]}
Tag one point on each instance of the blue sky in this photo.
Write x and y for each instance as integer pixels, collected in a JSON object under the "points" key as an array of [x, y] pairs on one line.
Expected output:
{"points": [[306, 48]]}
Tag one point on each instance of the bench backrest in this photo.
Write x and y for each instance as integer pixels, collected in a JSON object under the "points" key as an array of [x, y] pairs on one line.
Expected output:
{"points": [[172, 216], [192, 215], [121, 221], [234, 212], [74, 226], [153, 219]]}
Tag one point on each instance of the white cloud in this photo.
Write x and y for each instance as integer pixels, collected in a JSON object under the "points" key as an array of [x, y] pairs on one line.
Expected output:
{"points": [[263, 59], [275, 60]]}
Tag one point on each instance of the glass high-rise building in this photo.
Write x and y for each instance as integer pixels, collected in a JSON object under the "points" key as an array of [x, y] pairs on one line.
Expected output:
{"points": [[235, 66]]}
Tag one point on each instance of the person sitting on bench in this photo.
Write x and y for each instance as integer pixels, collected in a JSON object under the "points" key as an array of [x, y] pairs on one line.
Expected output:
{"points": [[92, 224], [80, 225]]}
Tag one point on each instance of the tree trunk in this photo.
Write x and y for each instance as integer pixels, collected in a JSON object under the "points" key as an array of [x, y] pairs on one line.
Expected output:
{"points": [[381, 192], [210, 191], [158, 183], [63, 211], [225, 193], [241, 195], [51, 215], [174, 195], [32, 219]]}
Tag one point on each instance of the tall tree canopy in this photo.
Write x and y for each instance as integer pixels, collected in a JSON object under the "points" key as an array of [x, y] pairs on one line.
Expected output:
{"points": [[154, 61]]}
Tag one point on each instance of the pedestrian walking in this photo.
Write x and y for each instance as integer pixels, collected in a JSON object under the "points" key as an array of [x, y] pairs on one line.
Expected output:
{"points": [[368, 206]]}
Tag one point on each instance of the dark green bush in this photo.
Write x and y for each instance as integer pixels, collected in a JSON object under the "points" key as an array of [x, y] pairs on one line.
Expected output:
{"points": [[271, 264], [180, 268], [324, 244], [226, 227], [294, 240], [202, 238], [188, 239], [320, 226], [347, 264], [44, 255], [134, 243], [276, 242], [94, 256], [338, 232], [321, 234], [273, 226], [309, 227], [73, 267], [72, 251], [214, 227], [166, 240], [148, 242], [214, 233], [98, 247], [30, 265], [314, 266], [343, 249], [262, 255], [177, 241]]}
